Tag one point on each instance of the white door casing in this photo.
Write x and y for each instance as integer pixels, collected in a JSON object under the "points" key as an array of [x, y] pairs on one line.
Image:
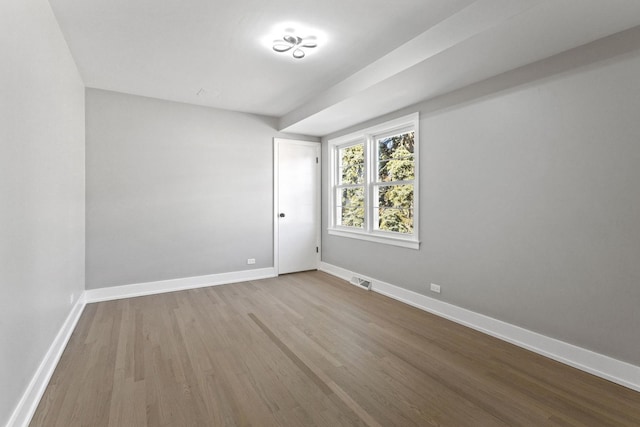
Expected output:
{"points": [[296, 205]]}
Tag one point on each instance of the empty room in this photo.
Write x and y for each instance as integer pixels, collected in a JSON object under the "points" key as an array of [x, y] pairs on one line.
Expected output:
{"points": [[320, 213]]}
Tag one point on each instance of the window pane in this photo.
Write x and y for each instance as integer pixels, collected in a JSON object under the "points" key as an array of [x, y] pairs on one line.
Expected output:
{"points": [[396, 160], [398, 220], [351, 207], [395, 196], [351, 167], [353, 174], [394, 210]]}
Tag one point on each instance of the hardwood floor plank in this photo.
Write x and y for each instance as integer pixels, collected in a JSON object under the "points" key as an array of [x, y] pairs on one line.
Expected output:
{"points": [[308, 349]]}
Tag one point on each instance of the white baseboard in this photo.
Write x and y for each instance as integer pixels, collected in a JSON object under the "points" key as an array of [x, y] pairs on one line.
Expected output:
{"points": [[619, 372], [28, 404], [150, 288], [614, 370]]}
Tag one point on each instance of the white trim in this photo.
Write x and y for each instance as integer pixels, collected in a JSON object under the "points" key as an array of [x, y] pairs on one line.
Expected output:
{"points": [[276, 205], [29, 401], [386, 127], [162, 286], [372, 237], [28, 404], [606, 367], [367, 137], [276, 197]]}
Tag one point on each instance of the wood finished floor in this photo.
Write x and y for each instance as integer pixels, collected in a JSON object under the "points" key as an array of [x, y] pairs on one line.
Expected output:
{"points": [[308, 349]]}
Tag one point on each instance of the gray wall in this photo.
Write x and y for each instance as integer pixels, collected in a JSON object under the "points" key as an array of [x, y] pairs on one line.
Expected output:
{"points": [[530, 202], [41, 191], [175, 190]]}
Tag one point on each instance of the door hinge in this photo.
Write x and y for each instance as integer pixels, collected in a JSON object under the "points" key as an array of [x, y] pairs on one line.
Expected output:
{"points": [[317, 250], [317, 160]]}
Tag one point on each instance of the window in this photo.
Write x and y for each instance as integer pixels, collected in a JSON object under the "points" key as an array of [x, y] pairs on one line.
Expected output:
{"points": [[374, 183]]}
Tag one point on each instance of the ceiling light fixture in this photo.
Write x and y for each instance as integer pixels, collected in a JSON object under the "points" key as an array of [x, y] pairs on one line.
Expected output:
{"points": [[289, 42]]}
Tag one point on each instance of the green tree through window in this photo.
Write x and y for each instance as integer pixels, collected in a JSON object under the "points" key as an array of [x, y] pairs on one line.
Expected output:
{"points": [[351, 187], [395, 173]]}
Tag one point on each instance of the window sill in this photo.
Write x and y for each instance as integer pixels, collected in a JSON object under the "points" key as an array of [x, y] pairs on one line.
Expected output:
{"points": [[377, 238]]}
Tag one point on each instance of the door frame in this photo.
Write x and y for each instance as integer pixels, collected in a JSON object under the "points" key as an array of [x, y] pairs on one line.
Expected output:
{"points": [[276, 196]]}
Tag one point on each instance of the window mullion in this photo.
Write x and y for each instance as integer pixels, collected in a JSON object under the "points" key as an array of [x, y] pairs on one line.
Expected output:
{"points": [[390, 183], [366, 184], [373, 177], [338, 187], [336, 181]]}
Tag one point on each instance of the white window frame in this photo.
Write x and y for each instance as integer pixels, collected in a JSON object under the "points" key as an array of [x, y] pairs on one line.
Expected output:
{"points": [[369, 137]]}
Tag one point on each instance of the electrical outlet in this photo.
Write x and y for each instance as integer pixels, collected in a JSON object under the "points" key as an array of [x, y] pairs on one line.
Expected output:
{"points": [[435, 288], [251, 261]]}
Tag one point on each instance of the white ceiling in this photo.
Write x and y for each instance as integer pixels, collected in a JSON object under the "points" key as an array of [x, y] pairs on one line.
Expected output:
{"points": [[374, 56]]}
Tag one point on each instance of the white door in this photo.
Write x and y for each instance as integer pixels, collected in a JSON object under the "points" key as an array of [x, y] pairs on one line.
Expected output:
{"points": [[297, 205]]}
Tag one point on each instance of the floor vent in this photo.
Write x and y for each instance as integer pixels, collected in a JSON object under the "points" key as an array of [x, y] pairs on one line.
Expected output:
{"points": [[360, 282]]}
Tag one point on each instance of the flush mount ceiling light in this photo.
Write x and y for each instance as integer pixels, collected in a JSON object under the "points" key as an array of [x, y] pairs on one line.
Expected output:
{"points": [[295, 43]]}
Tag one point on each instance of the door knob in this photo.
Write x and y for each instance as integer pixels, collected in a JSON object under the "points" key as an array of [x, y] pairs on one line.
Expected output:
{"points": [[281, 215]]}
